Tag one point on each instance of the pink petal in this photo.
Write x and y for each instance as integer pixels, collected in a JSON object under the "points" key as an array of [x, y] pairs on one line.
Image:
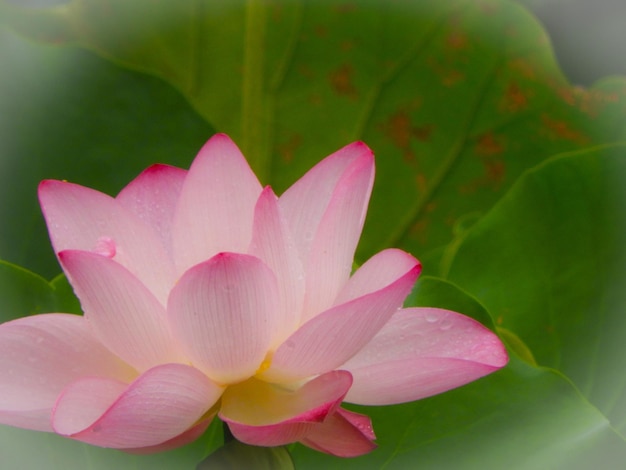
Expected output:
{"points": [[39, 357], [223, 313], [328, 340], [305, 202], [158, 406], [216, 205], [332, 251], [343, 434], [272, 242], [153, 197], [422, 352], [326, 209], [80, 218], [379, 271], [121, 311], [260, 413], [185, 438]]}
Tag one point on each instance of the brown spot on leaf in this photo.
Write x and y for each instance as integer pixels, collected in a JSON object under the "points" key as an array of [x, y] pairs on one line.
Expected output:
{"points": [[321, 31], [287, 150], [487, 145], [524, 67], [457, 40], [563, 130], [419, 229], [341, 81], [514, 99], [347, 46], [421, 183], [400, 130]]}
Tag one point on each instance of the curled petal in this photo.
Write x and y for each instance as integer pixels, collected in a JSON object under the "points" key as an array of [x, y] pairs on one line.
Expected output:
{"points": [[122, 312], [260, 413], [223, 313], [331, 338], [216, 205], [422, 352], [39, 357], [343, 434], [153, 197], [158, 406]]}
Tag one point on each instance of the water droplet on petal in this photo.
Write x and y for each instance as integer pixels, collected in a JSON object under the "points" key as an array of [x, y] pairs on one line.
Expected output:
{"points": [[105, 246], [432, 317]]}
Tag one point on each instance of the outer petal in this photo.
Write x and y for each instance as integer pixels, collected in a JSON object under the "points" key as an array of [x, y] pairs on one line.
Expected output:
{"points": [[328, 340], [260, 413], [41, 355], [158, 406], [332, 251], [216, 205], [122, 312], [80, 218], [305, 202], [153, 197], [422, 352], [344, 434], [273, 243], [223, 313], [185, 438], [379, 271]]}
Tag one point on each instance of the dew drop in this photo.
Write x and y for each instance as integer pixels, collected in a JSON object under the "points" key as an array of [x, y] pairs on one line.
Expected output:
{"points": [[445, 325], [105, 246], [432, 317]]}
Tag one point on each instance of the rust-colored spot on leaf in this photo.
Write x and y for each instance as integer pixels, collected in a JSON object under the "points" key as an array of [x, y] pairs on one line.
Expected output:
{"points": [[347, 46], [306, 72], [421, 182], [341, 81], [419, 231], [487, 145], [321, 31], [457, 40], [514, 98], [523, 67], [562, 130], [288, 149], [399, 129], [424, 132], [315, 99]]}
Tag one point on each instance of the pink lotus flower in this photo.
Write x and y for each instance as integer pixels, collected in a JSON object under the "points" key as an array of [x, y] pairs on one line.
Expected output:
{"points": [[204, 294]]}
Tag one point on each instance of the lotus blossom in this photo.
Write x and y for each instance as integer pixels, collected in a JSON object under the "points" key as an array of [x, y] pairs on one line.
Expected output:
{"points": [[204, 294]]}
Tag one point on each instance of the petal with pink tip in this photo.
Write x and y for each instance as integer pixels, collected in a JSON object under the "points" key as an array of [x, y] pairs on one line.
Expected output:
{"points": [[272, 242], [121, 311], [330, 339], [39, 357], [379, 271], [223, 313], [305, 202], [216, 205], [422, 352], [153, 197], [344, 434], [260, 413], [332, 251], [158, 406], [80, 218]]}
